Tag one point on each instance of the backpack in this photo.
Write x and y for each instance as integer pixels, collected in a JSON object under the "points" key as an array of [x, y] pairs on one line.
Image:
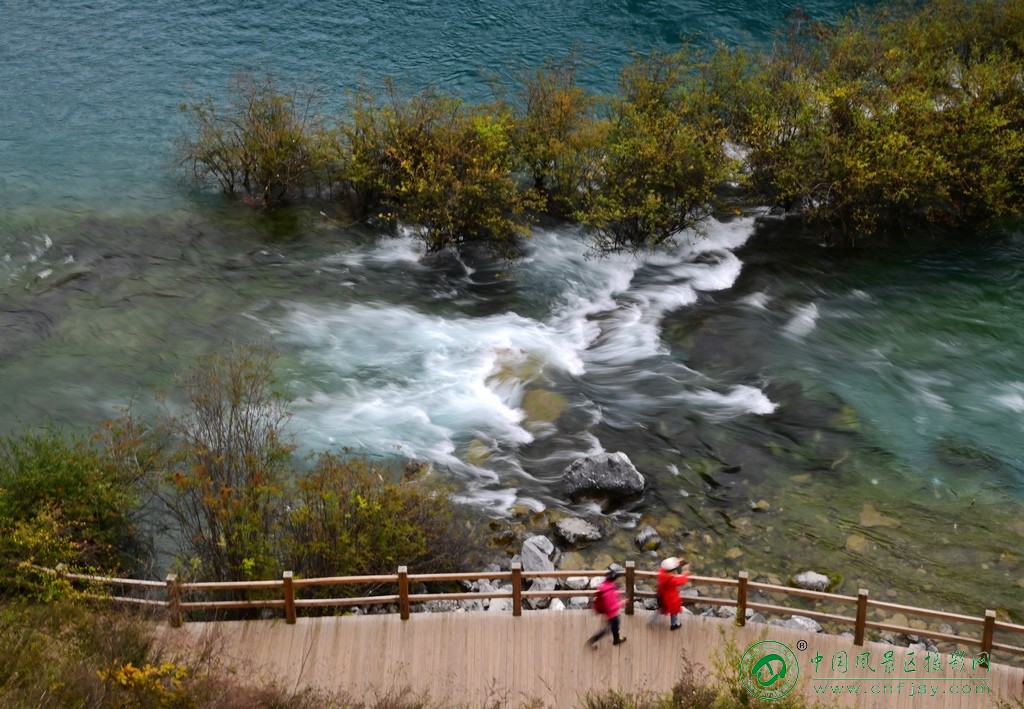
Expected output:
{"points": [[599, 602]]}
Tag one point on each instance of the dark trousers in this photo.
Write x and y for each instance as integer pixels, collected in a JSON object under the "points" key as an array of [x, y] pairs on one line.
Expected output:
{"points": [[612, 626]]}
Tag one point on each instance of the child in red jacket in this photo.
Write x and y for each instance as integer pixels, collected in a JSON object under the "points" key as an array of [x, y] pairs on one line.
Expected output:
{"points": [[674, 574], [608, 602]]}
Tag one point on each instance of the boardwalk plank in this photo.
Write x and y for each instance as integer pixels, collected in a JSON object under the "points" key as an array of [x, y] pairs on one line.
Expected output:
{"points": [[479, 657]]}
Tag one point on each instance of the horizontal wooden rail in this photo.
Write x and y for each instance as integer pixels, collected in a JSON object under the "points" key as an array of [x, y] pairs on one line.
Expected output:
{"points": [[179, 598], [942, 615], [962, 639], [347, 601], [340, 580], [814, 615], [801, 592]]}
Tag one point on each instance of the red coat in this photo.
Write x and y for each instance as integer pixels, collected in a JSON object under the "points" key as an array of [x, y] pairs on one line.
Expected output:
{"points": [[668, 591], [611, 602]]}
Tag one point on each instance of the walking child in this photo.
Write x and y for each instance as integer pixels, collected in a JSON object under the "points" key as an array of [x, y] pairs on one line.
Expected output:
{"points": [[608, 602], [674, 574]]}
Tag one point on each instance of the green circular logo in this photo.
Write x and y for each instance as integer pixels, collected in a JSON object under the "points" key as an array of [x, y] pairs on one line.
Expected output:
{"points": [[769, 670]]}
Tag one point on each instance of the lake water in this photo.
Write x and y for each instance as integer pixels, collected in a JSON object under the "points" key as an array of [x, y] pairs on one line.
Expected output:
{"points": [[874, 401]]}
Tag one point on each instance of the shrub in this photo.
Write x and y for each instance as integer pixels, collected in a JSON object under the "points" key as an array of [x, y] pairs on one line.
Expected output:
{"points": [[896, 119], [556, 137], [662, 159], [261, 145], [223, 466], [437, 165], [230, 460], [351, 517], [62, 501]]}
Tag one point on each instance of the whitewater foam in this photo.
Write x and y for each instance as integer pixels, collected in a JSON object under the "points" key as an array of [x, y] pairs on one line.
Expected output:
{"points": [[392, 379]]}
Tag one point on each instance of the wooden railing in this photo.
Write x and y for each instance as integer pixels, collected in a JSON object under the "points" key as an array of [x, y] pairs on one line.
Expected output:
{"points": [[177, 599]]}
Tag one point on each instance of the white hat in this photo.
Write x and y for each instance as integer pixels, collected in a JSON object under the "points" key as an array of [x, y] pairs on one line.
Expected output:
{"points": [[671, 563]]}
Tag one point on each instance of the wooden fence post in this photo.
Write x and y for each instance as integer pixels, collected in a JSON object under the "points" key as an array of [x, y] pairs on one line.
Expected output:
{"points": [[517, 589], [174, 600], [862, 616], [630, 586], [988, 635], [289, 599], [741, 599], [403, 592]]}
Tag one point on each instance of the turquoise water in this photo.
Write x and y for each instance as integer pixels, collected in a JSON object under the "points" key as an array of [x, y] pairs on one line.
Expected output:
{"points": [[749, 364], [91, 89]]}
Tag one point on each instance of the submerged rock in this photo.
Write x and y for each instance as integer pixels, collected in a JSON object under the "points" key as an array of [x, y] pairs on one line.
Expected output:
{"points": [[543, 406], [870, 517], [575, 531], [648, 539]]}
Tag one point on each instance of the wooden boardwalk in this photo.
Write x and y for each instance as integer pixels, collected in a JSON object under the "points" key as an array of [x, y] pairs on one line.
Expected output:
{"points": [[476, 659]]}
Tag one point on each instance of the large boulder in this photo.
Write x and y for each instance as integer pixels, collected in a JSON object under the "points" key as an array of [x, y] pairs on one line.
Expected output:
{"points": [[604, 474], [536, 554]]}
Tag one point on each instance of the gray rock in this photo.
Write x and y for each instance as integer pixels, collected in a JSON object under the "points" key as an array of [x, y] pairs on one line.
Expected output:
{"points": [[576, 583], [609, 474], [543, 584], [648, 539], [799, 622], [811, 581], [536, 554], [756, 618], [575, 531], [536, 604], [556, 605], [500, 605]]}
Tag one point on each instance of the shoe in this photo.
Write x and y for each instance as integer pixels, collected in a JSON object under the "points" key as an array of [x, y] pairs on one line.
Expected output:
{"points": [[619, 641], [675, 627]]}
